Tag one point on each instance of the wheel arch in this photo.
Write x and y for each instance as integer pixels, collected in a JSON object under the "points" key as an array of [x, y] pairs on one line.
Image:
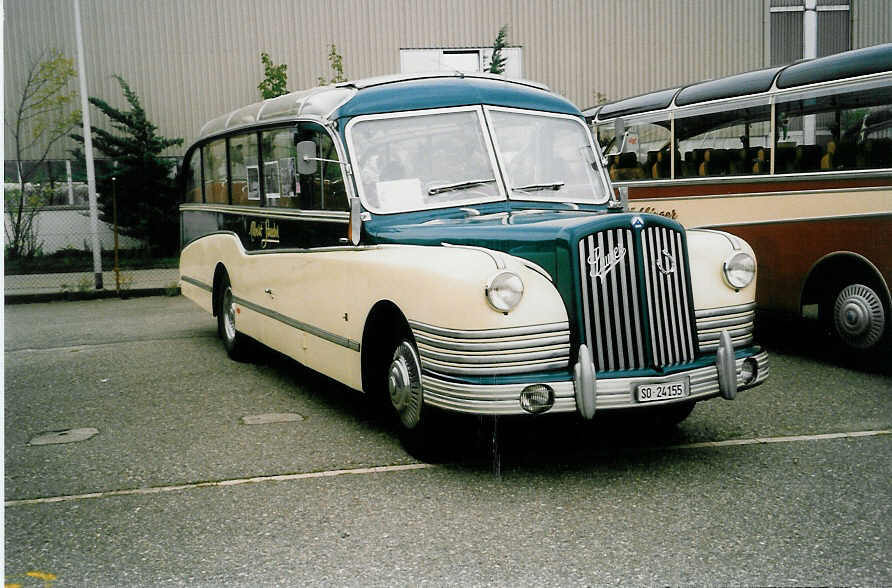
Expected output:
{"points": [[384, 323], [837, 268], [219, 273]]}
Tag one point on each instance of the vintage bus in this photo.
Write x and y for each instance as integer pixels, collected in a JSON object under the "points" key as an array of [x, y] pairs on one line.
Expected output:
{"points": [[797, 160], [451, 241]]}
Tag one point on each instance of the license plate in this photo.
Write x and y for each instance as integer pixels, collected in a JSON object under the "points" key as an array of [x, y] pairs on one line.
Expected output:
{"points": [[662, 391]]}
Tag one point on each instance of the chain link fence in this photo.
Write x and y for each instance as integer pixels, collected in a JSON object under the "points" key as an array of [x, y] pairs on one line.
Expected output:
{"points": [[48, 238]]}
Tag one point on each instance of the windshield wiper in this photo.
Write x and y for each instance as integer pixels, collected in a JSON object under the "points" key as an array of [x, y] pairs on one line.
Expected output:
{"points": [[433, 190], [546, 186]]}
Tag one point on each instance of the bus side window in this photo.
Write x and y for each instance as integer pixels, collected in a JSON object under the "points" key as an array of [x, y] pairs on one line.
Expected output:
{"points": [[244, 170], [193, 178], [280, 169], [323, 189], [215, 181], [839, 131]]}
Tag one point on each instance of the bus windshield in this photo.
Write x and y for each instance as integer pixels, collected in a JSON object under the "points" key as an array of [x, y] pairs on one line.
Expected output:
{"points": [[424, 161], [546, 157], [444, 158]]}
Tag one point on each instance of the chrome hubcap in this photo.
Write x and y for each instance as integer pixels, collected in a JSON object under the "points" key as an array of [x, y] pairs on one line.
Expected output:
{"points": [[859, 316], [228, 315], [404, 384]]}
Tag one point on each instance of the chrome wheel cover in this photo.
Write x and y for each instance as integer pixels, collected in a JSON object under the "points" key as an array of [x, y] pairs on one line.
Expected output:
{"points": [[858, 316], [228, 310], [404, 384]]}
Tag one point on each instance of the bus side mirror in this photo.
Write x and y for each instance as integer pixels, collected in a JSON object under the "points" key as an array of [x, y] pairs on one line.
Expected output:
{"points": [[306, 158]]}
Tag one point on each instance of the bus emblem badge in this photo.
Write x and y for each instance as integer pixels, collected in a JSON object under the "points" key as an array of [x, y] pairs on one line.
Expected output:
{"points": [[666, 263], [602, 264]]}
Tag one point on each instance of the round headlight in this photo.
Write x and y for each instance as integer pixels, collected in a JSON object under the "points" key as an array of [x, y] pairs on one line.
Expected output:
{"points": [[740, 269], [504, 291]]}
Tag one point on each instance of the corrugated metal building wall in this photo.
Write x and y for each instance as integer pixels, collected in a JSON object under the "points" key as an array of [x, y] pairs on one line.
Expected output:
{"points": [[191, 60]]}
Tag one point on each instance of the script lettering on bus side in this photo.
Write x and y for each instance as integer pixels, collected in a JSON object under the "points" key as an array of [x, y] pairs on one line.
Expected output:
{"points": [[267, 232], [673, 214]]}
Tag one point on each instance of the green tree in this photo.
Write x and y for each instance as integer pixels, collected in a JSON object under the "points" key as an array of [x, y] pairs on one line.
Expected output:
{"points": [[337, 68], [275, 78], [147, 195], [497, 63], [41, 117]]}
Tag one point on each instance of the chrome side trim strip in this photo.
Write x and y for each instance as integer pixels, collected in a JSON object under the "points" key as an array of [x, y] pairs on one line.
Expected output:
{"points": [[491, 333], [493, 352], [490, 360], [307, 328], [724, 310], [508, 345], [715, 336], [720, 322], [198, 283], [269, 212], [433, 367], [494, 255]]}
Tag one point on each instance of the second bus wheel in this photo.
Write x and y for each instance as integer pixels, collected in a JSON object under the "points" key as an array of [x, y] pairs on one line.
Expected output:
{"points": [[235, 343], [858, 316]]}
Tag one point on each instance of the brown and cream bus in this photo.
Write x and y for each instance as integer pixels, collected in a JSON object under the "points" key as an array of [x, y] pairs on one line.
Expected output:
{"points": [[796, 160]]}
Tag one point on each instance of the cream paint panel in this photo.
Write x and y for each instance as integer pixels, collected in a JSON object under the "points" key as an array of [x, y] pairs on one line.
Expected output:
{"points": [[199, 296], [713, 210], [335, 291], [199, 261], [708, 250]]}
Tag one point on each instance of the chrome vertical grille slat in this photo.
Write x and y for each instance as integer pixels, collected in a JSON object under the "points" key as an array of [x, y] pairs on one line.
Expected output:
{"points": [[616, 329]]}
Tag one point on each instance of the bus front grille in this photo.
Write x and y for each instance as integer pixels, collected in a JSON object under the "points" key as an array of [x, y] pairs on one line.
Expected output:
{"points": [[636, 300]]}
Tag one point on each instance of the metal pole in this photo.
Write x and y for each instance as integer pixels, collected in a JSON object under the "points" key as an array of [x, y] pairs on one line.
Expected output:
{"points": [[88, 147], [809, 51], [115, 221], [70, 184]]}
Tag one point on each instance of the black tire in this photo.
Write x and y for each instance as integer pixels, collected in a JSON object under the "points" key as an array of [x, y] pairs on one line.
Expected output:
{"points": [[667, 417], [235, 343]]}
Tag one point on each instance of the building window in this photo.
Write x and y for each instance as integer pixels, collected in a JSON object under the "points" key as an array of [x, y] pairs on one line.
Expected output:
{"points": [[465, 59], [793, 37]]}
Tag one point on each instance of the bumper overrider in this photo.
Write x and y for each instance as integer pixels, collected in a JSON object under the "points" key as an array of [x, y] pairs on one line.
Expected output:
{"points": [[527, 370]]}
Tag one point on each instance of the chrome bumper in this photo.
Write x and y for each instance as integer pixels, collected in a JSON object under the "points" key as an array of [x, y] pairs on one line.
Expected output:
{"points": [[616, 393]]}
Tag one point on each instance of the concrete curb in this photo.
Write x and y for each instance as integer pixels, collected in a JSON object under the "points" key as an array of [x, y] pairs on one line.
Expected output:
{"points": [[90, 295]]}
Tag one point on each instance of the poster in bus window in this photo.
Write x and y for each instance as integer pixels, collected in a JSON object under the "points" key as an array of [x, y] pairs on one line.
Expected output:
{"points": [[286, 177], [253, 182], [271, 179]]}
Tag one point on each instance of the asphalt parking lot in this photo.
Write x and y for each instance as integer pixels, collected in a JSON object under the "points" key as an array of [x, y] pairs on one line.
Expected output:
{"points": [[199, 471]]}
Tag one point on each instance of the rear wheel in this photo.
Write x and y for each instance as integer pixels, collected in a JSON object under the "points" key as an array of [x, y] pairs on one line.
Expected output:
{"points": [[235, 343]]}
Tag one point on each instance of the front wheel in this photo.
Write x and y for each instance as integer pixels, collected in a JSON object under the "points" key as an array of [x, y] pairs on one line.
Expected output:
{"points": [[406, 398], [404, 385]]}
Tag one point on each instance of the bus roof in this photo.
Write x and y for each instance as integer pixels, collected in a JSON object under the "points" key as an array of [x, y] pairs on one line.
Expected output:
{"points": [[393, 94], [840, 66]]}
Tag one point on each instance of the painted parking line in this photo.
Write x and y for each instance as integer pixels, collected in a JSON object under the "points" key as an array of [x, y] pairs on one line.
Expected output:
{"points": [[412, 466]]}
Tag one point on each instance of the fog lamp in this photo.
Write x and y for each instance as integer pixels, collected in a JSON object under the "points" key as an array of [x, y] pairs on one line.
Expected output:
{"points": [[749, 371], [537, 398]]}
